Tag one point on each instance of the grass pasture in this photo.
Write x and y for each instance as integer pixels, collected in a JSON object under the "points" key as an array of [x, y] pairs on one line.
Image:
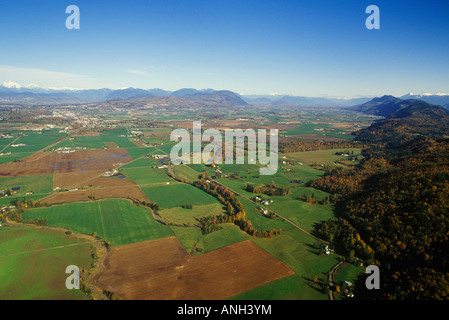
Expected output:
{"points": [[35, 141], [115, 220], [14, 156], [181, 215], [321, 156], [37, 184], [147, 176], [297, 250], [175, 195], [31, 267]]}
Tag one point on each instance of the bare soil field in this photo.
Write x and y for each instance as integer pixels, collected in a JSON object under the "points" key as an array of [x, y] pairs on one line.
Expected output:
{"points": [[53, 163], [36, 164], [72, 179], [125, 191], [111, 145], [162, 270]]}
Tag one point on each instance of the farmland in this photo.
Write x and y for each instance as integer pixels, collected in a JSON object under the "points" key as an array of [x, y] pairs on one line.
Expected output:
{"points": [[174, 275], [185, 194], [117, 221], [101, 182], [33, 261]]}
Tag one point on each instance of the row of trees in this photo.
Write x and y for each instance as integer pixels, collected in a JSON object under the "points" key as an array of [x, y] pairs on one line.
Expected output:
{"points": [[300, 146], [235, 212]]}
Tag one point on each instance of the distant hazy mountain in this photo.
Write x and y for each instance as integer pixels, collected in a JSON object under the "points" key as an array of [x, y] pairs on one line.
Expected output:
{"points": [[189, 91], [215, 99], [128, 93], [159, 92], [298, 101], [222, 98], [383, 106], [439, 99]]}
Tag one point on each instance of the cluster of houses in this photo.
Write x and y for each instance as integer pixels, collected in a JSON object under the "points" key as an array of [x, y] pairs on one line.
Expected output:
{"points": [[7, 208], [110, 173], [68, 149], [5, 154], [263, 201], [327, 250]]}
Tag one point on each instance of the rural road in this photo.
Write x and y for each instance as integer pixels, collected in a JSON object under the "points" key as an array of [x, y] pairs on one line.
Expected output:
{"points": [[331, 279]]}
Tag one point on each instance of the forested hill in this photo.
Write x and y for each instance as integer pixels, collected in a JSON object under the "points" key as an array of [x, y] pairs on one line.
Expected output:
{"points": [[393, 209], [414, 118]]}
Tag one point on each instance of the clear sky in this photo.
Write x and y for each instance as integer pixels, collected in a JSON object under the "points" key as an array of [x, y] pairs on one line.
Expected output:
{"points": [[298, 47]]}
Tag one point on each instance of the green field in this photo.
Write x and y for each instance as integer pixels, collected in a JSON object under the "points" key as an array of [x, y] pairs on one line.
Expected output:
{"points": [[298, 251], [14, 156], [35, 141], [147, 176], [322, 129], [185, 172], [136, 152], [347, 272], [37, 184], [175, 195], [181, 215], [115, 220], [322, 156], [141, 163], [193, 237], [31, 267], [6, 201]]}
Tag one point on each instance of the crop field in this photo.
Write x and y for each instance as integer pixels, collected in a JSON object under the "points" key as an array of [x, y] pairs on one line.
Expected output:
{"points": [[6, 201], [136, 153], [53, 163], [141, 163], [147, 176], [5, 158], [107, 139], [171, 196], [89, 142], [322, 156], [24, 184], [73, 179], [33, 263], [162, 270], [114, 220], [196, 242], [34, 141], [181, 215], [184, 172], [130, 191]]}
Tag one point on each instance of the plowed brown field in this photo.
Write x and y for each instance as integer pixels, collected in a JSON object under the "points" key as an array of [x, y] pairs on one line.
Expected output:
{"points": [[54, 163], [162, 270], [104, 188]]}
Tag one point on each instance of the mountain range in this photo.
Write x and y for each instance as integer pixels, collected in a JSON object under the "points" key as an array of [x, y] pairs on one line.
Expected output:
{"points": [[11, 92]]}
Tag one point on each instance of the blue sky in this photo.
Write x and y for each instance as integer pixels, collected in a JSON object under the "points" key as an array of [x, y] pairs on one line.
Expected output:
{"points": [[300, 47]]}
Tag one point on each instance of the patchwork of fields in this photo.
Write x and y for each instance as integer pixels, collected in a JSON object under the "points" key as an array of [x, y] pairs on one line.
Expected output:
{"points": [[150, 259]]}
